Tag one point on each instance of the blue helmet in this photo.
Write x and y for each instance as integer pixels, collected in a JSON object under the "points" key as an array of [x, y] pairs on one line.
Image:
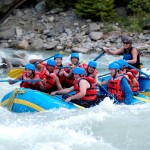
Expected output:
{"points": [[57, 56], [30, 67], [119, 63], [124, 62], [92, 64], [114, 65], [51, 62], [75, 55], [79, 70]]}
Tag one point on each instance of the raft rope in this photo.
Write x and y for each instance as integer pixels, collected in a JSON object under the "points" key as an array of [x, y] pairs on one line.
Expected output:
{"points": [[12, 98]]}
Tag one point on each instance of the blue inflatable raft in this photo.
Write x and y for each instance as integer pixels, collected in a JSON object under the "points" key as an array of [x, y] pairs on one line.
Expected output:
{"points": [[27, 100]]}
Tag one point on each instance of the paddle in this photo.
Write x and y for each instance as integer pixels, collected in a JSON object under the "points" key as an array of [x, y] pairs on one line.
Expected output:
{"points": [[116, 101], [103, 75], [14, 73], [99, 56], [142, 99], [32, 80], [139, 70], [146, 93]]}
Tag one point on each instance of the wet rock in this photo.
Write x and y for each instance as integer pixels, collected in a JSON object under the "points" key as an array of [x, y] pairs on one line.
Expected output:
{"points": [[24, 44], [6, 34]]}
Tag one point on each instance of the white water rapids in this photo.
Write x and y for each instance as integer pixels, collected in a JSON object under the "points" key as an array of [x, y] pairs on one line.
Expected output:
{"points": [[104, 127]]}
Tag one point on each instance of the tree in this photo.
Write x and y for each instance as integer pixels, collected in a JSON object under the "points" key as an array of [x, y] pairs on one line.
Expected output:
{"points": [[96, 9]]}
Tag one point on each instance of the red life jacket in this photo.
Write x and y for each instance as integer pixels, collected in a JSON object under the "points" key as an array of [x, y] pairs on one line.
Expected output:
{"points": [[69, 80], [115, 88], [30, 84], [132, 74], [60, 74], [83, 65], [93, 75], [91, 93], [50, 80]]}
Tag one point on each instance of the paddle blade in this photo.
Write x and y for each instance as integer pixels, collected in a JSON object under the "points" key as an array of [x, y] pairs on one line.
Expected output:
{"points": [[14, 73], [146, 93]]}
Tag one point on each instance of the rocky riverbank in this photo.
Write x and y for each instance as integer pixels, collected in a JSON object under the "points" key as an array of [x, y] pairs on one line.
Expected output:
{"points": [[59, 30]]}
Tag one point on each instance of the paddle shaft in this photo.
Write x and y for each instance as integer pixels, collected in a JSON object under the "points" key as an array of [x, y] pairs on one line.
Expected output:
{"points": [[104, 75], [32, 80], [110, 94], [65, 67], [99, 56], [45, 59], [139, 70]]}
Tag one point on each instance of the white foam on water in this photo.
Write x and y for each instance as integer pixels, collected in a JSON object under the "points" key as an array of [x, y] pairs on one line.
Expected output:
{"points": [[104, 127]]}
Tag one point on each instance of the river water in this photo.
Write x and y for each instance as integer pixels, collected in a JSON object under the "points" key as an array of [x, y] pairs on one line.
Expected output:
{"points": [[104, 127]]}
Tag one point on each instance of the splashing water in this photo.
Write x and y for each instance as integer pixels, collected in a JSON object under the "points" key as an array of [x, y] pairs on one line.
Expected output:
{"points": [[104, 127]]}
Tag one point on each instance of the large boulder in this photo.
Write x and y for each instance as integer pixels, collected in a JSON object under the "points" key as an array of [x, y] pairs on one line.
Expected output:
{"points": [[24, 44], [13, 62], [7, 33]]}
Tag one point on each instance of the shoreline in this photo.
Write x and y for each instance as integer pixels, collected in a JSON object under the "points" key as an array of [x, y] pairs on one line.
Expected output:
{"points": [[58, 30]]}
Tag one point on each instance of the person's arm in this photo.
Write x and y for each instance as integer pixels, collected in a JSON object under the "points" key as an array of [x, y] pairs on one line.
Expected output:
{"points": [[40, 67], [58, 83], [68, 74], [96, 79], [128, 94], [116, 52], [83, 84], [63, 91], [134, 56], [13, 82], [33, 61], [99, 83]]}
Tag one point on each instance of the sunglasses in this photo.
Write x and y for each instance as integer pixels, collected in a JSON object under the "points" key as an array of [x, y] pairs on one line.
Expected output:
{"points": [[126, 43]]}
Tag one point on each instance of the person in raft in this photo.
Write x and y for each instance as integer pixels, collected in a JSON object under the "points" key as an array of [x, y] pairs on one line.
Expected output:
{"points": [[130, 54], [118, 85], [86, 93], [29, 75]]}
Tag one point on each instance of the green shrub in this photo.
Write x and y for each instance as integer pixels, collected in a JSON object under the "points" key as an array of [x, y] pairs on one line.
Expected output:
{"points": [[145, 23], [95, 9], [133, 23], [141, 7]]}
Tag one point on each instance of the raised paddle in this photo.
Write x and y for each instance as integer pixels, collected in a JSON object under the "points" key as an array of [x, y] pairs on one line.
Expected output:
{"points": [[99, 56], [16, 72], [32, 80]]}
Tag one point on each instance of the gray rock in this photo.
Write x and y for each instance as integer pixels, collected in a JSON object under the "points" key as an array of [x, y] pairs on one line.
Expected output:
{"points": [[96, 35], [80, 50], [37, 44], [94, 27], [4, 45], [50, 45], [7, 34], [14, 62]]}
